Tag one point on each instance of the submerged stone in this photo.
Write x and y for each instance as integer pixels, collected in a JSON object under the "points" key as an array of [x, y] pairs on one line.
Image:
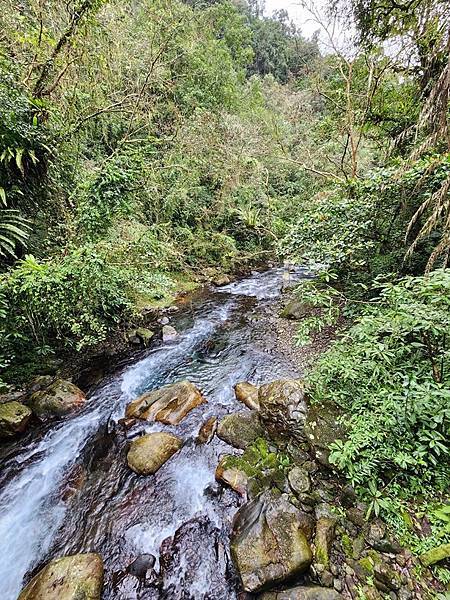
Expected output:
{"points": [[77, 577]]}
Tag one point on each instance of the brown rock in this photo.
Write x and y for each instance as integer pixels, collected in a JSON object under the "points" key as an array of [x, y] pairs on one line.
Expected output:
{"points": [[231, 475], [169, 404], [247, 393], [240, 429], [282, 406], [207, 431]]}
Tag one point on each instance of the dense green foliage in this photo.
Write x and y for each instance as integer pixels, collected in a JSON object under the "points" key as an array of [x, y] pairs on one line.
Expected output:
{"points": [[135, 147]]}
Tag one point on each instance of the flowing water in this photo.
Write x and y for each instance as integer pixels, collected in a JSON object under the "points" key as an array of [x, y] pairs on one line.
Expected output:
{"points": [[70, 490]]}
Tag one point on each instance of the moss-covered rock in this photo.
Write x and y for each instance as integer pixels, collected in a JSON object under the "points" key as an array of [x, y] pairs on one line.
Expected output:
{"points": [[435, 555], [268, 545], [168, 404], [325, 528], [240, 429], [77, 577], [322, 428], [296, 310], [148, 453], [56, 399], [14, 418]]}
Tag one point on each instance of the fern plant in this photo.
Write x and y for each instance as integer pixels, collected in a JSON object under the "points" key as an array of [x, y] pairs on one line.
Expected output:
{"points": [[14, 229]]}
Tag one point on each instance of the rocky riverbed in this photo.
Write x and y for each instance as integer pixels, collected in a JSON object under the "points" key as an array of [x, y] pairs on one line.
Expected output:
{"points": [[200, 471]]}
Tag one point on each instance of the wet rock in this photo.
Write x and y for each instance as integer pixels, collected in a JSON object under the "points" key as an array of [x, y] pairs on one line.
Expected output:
{"points": [[268, 545], [231, 475], [296, 310], [325, 528], [148, 453], [240, 429], [435, 555], [195, 561], [74, 482], [169, 333], [57, 399], [322, 428], [77, 577], [299, 481], [127, 423], [207, 431], [141, 565], [303, 593], [247, 393], [169, 404], [282, 406], [221, 280], [14, 418]]}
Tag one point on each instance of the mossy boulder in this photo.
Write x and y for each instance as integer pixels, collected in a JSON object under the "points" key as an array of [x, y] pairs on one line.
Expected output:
{"points": [[282, 407], [77, 577], [148, 453], [268, 545], [322, 428], [240, 429], [56, 399], [14, 418], [296, 310], [247, 393], [303, 593], [435, 555], [169, 404]]}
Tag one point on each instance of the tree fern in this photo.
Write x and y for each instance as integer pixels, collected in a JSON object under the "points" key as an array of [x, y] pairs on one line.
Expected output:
{"points": [[14, 230]]}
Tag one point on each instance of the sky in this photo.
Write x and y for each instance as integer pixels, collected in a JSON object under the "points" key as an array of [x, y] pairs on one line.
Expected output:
{"points": [[298, 14]]}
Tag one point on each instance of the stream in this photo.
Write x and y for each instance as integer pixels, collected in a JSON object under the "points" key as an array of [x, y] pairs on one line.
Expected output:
{"points": [[69, 489]]}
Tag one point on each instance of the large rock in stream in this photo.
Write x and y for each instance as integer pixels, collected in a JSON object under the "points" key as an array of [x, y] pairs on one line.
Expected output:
{"points": [[77, 577], [55, 399], [14, 418], [240, 429], [148, 453], [169, 404], [268, 544], [282, 407]]}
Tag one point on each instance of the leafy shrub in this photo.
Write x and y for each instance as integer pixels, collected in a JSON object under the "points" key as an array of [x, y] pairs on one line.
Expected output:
{"points": [[391, 375]]}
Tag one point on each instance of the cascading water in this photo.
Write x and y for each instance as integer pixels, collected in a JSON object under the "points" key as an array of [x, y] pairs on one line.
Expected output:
{"points": [[224, 338]]}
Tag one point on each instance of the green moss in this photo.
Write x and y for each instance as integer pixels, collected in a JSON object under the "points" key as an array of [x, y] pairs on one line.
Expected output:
{"points": [[367, 564], [347, 545]]}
